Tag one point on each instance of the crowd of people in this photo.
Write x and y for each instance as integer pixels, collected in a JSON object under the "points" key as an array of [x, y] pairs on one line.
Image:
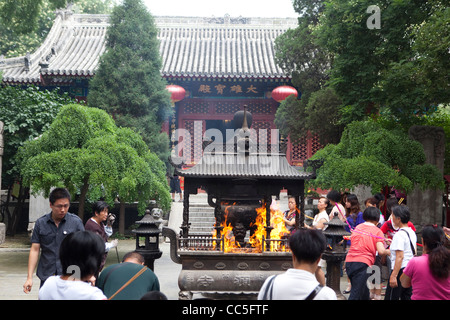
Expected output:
{"points": [[70, 256], [377, 243]]}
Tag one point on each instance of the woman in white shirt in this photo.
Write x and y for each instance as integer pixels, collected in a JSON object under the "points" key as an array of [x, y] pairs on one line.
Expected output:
{"points": [[403, 249], [80, 254], [319, 223], [322, 217]]}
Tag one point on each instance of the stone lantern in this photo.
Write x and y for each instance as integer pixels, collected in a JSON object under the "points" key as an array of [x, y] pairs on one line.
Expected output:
{"points": [[335, 253], [149, 230]]}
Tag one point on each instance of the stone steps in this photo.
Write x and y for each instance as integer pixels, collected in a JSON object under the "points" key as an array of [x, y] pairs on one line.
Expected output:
{"points": [[201, 217]]}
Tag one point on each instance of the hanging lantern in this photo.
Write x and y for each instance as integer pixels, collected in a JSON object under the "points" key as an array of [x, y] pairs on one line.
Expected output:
{"points": [[177, 92], [280, 93]]}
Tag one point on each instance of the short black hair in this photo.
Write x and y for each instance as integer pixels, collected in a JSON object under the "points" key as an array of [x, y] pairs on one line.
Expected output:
{"points": [[99, 206], [371, 214], [82, 250], [390, 203], [334, 195], [59, 193], [379, 196], [401, 212], [134, 255], [307, 244]]}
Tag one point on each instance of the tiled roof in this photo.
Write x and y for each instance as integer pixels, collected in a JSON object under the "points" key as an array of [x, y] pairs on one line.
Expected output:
{"points": [[190, 47], [235, 165], [72, 48], [243, 48]]}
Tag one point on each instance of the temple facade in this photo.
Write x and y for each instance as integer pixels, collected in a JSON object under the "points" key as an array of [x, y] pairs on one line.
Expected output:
{"points": [[221, 63]]}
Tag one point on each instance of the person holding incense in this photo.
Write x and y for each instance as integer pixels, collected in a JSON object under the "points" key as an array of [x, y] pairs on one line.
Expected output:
{"points": [[367, 239]]}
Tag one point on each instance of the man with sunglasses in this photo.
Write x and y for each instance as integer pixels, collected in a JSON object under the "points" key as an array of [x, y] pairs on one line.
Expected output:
{"points": [[48, 233]]}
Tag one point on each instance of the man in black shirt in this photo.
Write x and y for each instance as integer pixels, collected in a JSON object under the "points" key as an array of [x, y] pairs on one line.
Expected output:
{"points": [[49, 231]]}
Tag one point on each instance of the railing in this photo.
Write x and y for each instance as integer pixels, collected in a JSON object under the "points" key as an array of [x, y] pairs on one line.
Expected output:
{"points": [[200, 243], [275, 245], [209, 243]]}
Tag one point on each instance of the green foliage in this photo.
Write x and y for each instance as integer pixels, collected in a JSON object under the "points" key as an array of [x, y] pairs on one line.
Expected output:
{"points": [[299, 54], [370, 155], [320, 116], [399, 70], [13, 14], [84, 148], [17, 38], [290, 118], [128, 82], [398, 73], [441, 118], [14, 43], [26, 113], [323, 118]]}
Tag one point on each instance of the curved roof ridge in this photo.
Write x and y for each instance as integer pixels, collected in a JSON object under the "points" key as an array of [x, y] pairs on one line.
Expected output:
{"points": [[214, 47]]}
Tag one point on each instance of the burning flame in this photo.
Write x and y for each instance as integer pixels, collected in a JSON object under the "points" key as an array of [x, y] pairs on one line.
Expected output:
{"points": [[278, 232]]}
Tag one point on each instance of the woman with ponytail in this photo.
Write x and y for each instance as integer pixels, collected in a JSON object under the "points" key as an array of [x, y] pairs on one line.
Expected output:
{"points": [[429, 274]]}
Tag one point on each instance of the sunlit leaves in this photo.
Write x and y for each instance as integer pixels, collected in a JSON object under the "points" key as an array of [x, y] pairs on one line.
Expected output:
{"points": [[83, 144], [370, 155]]}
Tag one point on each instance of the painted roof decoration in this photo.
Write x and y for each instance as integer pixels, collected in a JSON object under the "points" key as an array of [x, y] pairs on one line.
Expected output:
{"points": [[190, 47]]}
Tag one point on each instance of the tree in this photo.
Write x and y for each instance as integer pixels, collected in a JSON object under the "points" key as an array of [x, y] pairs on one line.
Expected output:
{"points": [[299, 54], [323, 117], [420, 84], [14, 43], [441, 118], [128, 82], [14, 14], [290, 118], [320, 116], [26, 113], [17, 40], [371, 155], [349, 72], [86, 152], [433, 56], [376, 70]]}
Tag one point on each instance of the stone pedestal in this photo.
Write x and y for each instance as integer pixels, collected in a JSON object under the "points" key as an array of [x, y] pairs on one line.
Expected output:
{"points": [[38, 207], [2, 232], [334, 262], [426, 205]]}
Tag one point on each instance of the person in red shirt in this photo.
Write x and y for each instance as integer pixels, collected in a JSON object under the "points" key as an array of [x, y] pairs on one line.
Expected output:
{"points": [[367, 239], [387, 228]]}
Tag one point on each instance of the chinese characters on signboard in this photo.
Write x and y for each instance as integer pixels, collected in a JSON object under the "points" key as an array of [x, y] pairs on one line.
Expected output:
{"points": [[228, 89]]}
